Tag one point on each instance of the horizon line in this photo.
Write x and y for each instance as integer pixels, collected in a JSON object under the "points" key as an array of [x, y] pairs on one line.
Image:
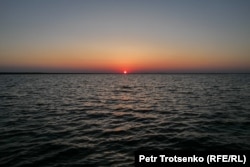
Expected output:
{"points": [[6, 73]]}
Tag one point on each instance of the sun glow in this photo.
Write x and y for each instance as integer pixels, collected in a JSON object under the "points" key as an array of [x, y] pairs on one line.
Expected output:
{"points": [[124, 72]]}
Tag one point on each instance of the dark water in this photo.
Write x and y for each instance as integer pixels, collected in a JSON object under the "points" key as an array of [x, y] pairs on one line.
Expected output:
{"points": [[100, 120]]}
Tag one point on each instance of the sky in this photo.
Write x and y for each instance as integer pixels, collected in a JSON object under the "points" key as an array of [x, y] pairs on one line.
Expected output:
{"points": [[132, 35]]}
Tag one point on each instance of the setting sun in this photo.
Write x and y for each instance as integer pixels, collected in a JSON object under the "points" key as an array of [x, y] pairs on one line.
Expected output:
{"points": [[124, 72]]}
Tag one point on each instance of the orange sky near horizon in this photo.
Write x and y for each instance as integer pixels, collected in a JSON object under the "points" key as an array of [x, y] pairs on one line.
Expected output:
{"points": [[117, 58]]}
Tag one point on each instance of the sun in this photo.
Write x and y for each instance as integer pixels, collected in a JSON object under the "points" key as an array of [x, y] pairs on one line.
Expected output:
{"points": [[124, 72]]}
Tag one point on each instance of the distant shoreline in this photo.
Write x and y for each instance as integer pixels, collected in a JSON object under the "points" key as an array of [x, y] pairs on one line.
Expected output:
{"points": [[14, 73]]}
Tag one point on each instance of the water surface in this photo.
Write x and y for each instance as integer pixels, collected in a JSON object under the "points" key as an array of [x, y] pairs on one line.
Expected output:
{"points": [[101, 119]]}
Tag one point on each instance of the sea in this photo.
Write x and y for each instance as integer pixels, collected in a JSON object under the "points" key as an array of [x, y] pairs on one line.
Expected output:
{"points": [[54, 120]]}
